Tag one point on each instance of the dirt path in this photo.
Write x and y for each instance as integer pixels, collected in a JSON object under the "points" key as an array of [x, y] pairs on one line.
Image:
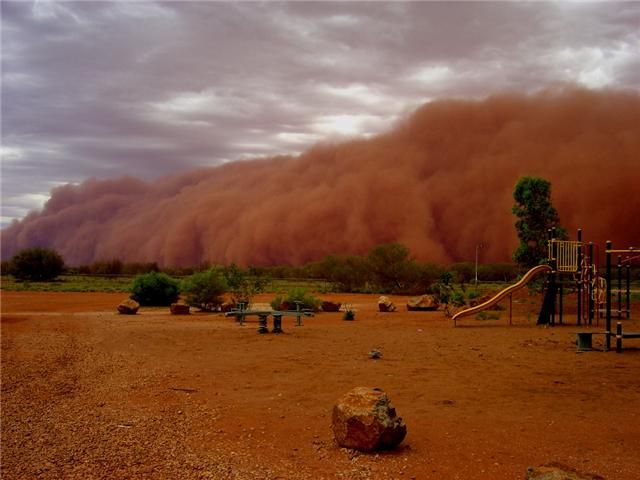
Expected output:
{"points": [[87, 393]]}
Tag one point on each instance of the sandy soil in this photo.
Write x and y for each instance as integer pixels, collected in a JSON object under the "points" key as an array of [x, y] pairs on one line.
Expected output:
{"points": [[87, 393]]}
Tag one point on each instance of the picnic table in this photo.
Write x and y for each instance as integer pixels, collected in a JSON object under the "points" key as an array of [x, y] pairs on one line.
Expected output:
{"points": [[241, 312]]}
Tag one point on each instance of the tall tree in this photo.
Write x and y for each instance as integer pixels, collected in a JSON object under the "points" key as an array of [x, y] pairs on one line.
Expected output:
{"points": [[536, 215]]}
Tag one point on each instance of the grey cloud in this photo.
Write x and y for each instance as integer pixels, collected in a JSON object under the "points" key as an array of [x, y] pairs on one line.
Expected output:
{"points": [[89, 79]]}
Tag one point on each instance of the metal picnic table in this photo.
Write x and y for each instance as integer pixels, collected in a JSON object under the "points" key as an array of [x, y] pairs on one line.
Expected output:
{"points": [[241, 312]]}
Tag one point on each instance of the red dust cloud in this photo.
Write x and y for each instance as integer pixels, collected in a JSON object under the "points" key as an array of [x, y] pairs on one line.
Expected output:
{"points": [[440, 182]]}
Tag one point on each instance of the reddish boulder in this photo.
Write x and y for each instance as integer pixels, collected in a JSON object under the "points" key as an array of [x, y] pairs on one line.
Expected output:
{"points": [[423, 302], [365, 420], [386, 305], [128, 307]]}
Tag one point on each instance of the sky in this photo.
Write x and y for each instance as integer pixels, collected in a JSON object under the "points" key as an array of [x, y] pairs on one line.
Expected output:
{"points": [[147, 89]]}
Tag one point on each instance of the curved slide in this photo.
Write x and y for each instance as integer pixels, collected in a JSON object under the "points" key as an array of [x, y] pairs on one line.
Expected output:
{"points": [[503, 293]]}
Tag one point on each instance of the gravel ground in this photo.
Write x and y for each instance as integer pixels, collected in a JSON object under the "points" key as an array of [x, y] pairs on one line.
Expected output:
{"points": [[90, 394]]}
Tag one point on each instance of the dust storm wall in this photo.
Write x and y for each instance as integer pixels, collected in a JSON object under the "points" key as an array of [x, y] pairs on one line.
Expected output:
{"points": [[440, 181]]}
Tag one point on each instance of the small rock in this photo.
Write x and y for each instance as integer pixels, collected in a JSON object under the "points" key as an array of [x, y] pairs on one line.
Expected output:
{"points": [[128, 307], [386, 305], [557, 471], [375, 354]]}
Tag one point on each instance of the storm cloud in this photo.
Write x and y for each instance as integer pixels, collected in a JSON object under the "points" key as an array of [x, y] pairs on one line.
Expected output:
{"points": [[148, 89], [440, 181]]}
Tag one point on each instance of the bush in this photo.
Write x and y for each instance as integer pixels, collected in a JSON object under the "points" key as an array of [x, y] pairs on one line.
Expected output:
{"points": [[156, 289], [38, 264], [243, 285], [349, 273], [204, 290], [349, 314], [392, 267], [308, 302], [464, 272]]}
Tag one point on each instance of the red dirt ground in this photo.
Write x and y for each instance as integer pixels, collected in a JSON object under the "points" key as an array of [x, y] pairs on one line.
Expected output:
{"points": [[87, 393]]}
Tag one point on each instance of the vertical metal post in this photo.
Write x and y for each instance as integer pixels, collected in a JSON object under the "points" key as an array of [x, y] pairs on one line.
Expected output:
{"points": [[554, 273], [262, 323], [277, 323], [298, 313], [590, 284], [560, 305], [580, 279], [619, 337], [619, 286], [242, 306], [607, 331], [628, 315]]}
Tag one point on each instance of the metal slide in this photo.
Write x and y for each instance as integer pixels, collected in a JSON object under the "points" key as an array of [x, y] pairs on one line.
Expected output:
{"points": [[503, 293]]}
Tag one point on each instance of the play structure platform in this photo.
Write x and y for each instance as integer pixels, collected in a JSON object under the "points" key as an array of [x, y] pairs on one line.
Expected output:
{"points": [[503, 293]]}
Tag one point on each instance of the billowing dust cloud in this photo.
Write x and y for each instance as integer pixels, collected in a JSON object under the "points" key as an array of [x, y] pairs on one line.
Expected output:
{"points": [[440, 182]]}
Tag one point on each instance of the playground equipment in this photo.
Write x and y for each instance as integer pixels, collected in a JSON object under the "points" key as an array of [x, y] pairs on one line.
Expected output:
{"points": [[242, 312], [608, 333], [503, 293], [573, 264]]}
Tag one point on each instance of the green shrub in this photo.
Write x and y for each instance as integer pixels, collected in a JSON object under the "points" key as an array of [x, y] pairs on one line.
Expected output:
{"points": [[204, 290], [488, 316], [37, 264], [391, 267], [349, 313], [472, 294], [243, 285], [308, 302], [349, 273], [153, 288], [457, 298]]}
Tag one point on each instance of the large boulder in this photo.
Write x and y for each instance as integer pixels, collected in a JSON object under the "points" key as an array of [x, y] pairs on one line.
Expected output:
{"points": [[423, 302], [386, 305], [179, 309], [556, 471], [364, 419], [128, 307]]}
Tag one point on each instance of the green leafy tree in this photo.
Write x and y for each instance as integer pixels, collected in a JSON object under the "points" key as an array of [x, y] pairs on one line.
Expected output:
{"points": [[37, 264], [155, 289], [307, 301], [205, 290], [392, 267], [243, 285], [349, 273], [536, 215]]}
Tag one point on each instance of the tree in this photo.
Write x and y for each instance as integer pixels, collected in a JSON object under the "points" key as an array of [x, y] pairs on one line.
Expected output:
{"points": [[392, 266], [243, 285], [536, 215], [349, 273], [153, 288], [204, 290], [38, 264]]}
